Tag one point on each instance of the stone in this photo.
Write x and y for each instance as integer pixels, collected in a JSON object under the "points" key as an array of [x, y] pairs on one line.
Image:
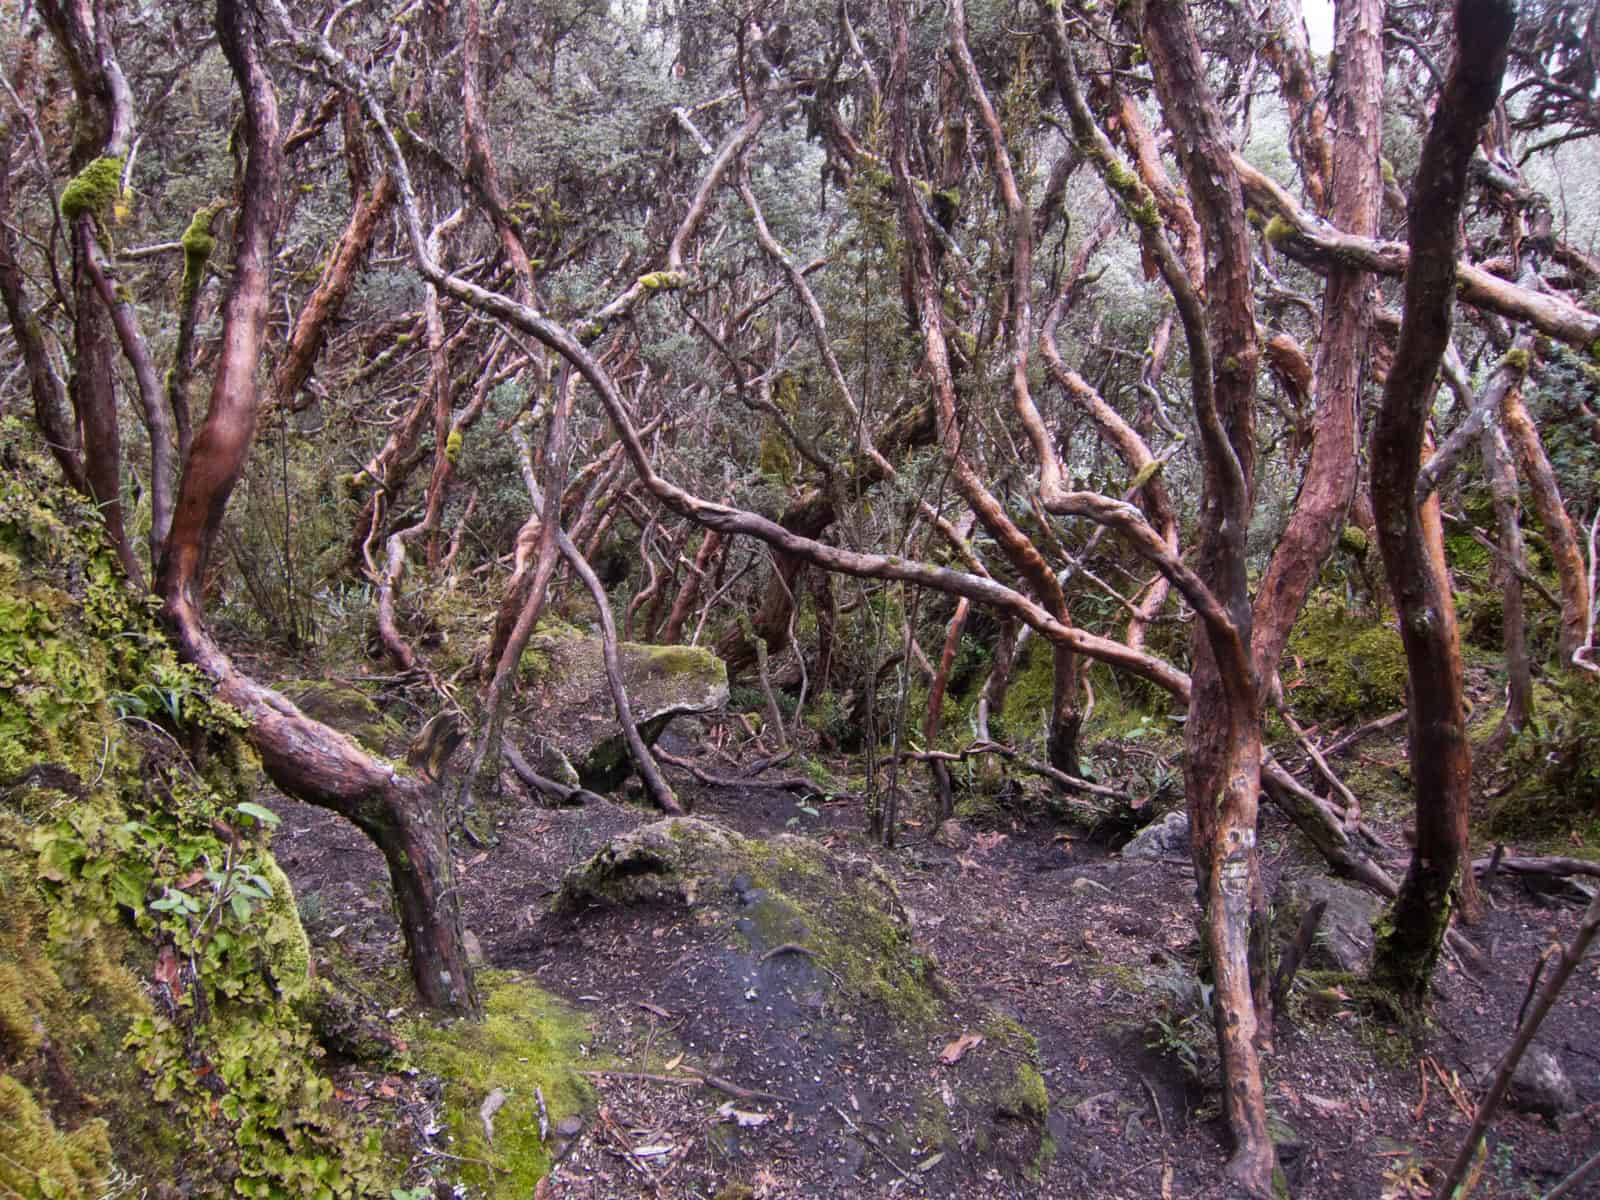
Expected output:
{"points": [[1344, 939], [1166, 838], [809, 944], [569, 730], [1540, 1085]]}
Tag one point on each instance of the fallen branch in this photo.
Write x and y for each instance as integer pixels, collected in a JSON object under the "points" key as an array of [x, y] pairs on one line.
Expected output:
{"points": [[1538, 866], [693, 1079], [1355, 735], [1571, 956], [792, 783], [560, 792], [1010, 754]]}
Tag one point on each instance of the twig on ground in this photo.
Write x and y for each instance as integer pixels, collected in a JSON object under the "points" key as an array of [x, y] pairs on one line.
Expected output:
{"points": [[871, 1141]]}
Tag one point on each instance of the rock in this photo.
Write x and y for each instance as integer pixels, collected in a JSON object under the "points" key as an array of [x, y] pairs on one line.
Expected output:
{"points": [[808, 946], [571, 731], [1166, 838], [348, 709], [569, 1127], [1540, 1085], [1344, 939]]}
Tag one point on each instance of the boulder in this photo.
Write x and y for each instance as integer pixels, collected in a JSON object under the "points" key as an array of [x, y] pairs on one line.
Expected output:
{"points": [[1166, 838], [570, 728], [1344, 939], [1540, 1085], [813, 957]]}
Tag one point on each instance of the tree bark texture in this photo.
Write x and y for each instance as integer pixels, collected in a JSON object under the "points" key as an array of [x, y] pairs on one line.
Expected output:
{"points": [[1565, 547], [304, 758], [1222, 739], [1441, 764]]}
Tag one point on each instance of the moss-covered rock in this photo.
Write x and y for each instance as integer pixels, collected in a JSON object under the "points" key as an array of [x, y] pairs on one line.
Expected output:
{"points": [[348, 709], [525, 1049], [152, 966], [571, 718], [814, 949]]}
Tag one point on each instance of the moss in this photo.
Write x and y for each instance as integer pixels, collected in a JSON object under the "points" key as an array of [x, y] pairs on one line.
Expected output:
{"points": [[452, 446], [1354, 542], [197, 243], [1278, 230], [117, 768], [656, 281], [93, 190], [347, 708], [683, 660], [1342, 666], [525, 1046], [1517, 359], [39, 1161]]}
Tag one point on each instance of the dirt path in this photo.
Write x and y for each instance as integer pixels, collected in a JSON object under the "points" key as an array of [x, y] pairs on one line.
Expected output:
{"points": [[1092, 954]]}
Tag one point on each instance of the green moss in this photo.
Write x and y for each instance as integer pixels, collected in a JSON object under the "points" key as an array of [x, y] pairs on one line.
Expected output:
{"points": [[1353, 541], [1342, 666], [118, 771], [452, 446], [197, 243], [659, 280], [1278, 230], [1517, 359], [93, 191], [684, 660], [347, 708], [39, 1162], [526, 1047]]}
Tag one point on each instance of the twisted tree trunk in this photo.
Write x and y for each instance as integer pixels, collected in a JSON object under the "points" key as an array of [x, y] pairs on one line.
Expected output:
{"points": [[304, 758], [1409, 940]]}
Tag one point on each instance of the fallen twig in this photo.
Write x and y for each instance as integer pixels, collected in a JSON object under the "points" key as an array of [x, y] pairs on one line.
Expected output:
{"points": [[1571, 956], [694, 1078], [871, 1141]]}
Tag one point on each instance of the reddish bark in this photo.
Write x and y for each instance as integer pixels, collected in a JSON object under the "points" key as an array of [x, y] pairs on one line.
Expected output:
{"points": [[1222, 739], [1441, 762], [1329, 484], [304, 758], [1565, 547], [330, 293]]}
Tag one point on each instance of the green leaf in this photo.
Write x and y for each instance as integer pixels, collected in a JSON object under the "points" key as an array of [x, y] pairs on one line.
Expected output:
{"points": [[264, 815]]}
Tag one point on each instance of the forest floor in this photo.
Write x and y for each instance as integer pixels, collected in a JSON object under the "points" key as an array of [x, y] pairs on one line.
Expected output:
{"points": [[1092, 954]]}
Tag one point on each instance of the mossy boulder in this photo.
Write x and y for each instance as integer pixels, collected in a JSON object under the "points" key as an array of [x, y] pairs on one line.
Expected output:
{"points": [[153, 969], [348, 709], [813, 956], [571, 720], [526, 1049]]}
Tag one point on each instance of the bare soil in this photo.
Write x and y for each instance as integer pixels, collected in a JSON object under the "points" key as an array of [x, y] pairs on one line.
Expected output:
{"points": [[1094, 955]]}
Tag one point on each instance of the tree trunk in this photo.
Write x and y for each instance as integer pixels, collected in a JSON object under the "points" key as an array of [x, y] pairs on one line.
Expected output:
{"points": [[1222, 739], [945, 807], [304, 758], [1329, 483], [1514, 635], [1565, 547], [1409, 940]]}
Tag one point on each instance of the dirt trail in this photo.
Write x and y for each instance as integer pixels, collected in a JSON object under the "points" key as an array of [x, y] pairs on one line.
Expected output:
{"points": [[1092, 954]]}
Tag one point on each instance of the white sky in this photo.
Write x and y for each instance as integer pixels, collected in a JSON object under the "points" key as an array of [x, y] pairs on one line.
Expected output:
{"points": [[1319, 25]]}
